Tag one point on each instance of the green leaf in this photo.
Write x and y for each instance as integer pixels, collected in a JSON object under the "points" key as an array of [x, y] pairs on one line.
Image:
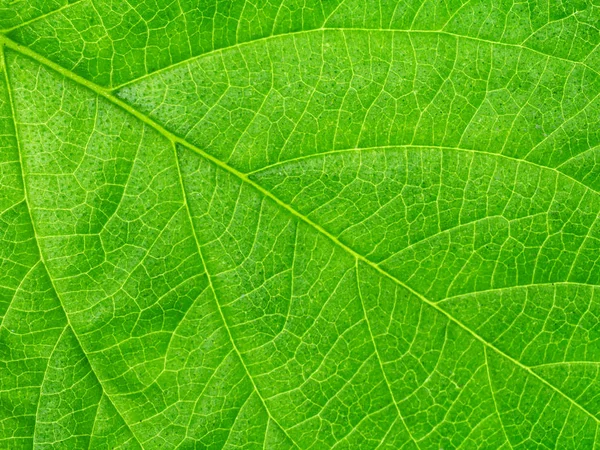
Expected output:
{"points": [[299, 224]]}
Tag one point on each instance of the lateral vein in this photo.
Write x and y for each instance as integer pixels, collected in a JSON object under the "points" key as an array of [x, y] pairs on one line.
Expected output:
{"points": [[42, 260], [244, 177]]}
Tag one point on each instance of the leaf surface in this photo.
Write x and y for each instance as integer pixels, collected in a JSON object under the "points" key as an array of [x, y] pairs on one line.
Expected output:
{"points": [[299, 224]]}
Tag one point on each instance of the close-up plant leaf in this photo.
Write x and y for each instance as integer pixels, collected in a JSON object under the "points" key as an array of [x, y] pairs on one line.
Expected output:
{"points": [[299, 224]]}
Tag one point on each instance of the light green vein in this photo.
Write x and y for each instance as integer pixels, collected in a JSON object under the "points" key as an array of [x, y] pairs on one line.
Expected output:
{"points": [[39, 400], [379, 360], [489, 377], [344, 29], [244, 177], [43, 16], [35, 235], [422, 147], [214, 292]]}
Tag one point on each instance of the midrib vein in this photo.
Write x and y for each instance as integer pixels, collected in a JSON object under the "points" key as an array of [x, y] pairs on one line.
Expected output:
{"points": [[242, 176], [41, 254], [172, 138]]}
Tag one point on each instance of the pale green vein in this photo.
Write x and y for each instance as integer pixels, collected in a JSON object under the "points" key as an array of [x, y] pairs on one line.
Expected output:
{"points": [[17, 290], [421, 147], [41, 255], [379, 360], [519, 286], [244, 177], [43, 16], [489, 377], [387, 433], [39, 400], [325, 30], [218, 305], [572, 158], [568, 363], [96, 419]]}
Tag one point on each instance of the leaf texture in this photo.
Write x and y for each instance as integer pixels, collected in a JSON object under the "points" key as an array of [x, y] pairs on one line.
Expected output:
{"points": [[299, 224]]}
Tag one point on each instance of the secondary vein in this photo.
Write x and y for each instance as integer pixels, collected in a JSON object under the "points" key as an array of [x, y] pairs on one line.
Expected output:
{"points": [[244, 177], [41, 255], [214, 292]]}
